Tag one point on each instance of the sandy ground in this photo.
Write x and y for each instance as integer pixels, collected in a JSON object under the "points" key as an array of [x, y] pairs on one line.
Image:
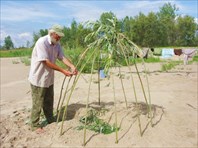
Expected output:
{"points": [[174, 99]]}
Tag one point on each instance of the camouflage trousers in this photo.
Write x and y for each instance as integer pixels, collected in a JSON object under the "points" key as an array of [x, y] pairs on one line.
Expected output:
{"points": [[42, 98]]}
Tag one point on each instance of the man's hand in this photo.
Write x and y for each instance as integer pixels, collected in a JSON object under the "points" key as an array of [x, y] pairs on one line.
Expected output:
{"points": [[67, 73], [74, 71]]}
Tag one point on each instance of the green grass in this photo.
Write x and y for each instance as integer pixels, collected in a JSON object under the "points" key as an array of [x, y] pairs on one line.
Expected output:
{"points": [[195, 58], [169, 65], [15, 53], [74, 54], [149, 60], [24, 54]]}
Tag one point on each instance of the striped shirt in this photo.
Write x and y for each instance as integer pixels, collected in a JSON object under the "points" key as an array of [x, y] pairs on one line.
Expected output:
{"points": [[40, 74]]}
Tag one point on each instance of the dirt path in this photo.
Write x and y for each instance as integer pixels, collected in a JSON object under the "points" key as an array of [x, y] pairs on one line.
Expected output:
{"points": [[174, 101]]}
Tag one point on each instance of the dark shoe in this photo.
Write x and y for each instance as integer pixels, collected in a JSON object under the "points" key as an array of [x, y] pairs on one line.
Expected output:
{"points": [[51, 120]]}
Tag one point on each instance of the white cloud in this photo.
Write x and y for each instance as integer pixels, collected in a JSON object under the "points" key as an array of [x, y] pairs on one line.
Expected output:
{"points": [[3, 34], [25, 35], [16, 12], [81, 11], [133, 8], [22, 39], [17, 39], [86, 10]]}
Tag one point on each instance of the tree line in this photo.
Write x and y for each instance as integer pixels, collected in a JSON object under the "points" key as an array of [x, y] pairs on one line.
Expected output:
{"points": [[163, 28]]}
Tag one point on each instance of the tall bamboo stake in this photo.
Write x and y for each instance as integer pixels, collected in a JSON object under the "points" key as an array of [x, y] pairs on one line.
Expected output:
{"points": [[66, 90], [99, 80], [123, 88], [136, 102], [115, 110], [60, 94], [149, 105], [71, 92], [141, 84], [79, 62], [134, 90], [148, 93], [84, 139]]}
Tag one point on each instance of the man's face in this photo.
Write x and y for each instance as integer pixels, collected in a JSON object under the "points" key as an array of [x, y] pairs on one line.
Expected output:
{"points": [[55, 38]]}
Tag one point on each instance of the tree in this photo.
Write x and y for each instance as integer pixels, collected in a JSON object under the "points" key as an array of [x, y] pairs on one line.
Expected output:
{"points": [[139, 28], [168, 11], [81, 34], [28, 44], [41, 33], [152, 31], [105, 16], [73, 33], [163, 28], [127, 27], [71, 38], [8, 44], [167, 15], [186, 28]]}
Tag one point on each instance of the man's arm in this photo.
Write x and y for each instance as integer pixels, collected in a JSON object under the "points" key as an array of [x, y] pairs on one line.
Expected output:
{"points": [[68, 63], [55, 67]]}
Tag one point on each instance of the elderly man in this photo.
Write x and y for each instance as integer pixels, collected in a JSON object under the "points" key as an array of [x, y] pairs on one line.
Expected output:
{"points": [[47, 49], [188, 53]]}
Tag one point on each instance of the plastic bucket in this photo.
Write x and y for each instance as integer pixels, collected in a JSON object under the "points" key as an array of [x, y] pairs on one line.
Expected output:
{"points": [[102, 75]]}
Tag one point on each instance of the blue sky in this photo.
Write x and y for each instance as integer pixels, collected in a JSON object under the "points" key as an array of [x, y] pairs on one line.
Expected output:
{"points": [[20, 18]]}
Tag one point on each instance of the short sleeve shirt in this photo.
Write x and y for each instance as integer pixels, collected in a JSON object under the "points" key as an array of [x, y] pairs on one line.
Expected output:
{"points": [[40, 74]]}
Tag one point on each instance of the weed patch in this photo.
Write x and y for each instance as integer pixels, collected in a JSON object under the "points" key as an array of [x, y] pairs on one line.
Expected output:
{"points": [[170, 65], [95, 124]]}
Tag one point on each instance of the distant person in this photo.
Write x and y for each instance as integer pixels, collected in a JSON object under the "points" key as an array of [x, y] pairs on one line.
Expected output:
{"points": [[152, 49], [145, 52], [47, 49], [151, 52], [188, 53]]}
